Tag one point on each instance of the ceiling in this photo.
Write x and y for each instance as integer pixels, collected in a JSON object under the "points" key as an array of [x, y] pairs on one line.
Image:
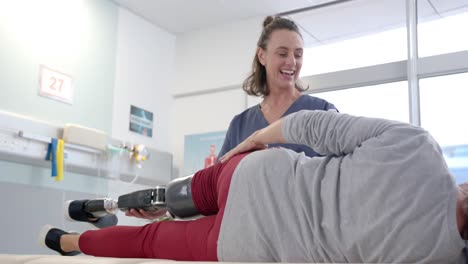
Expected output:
{"points": [[180, 16], [339, 19]]}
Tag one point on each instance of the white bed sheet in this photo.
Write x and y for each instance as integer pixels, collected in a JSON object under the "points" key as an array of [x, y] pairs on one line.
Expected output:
{"points": [[53, 259]]}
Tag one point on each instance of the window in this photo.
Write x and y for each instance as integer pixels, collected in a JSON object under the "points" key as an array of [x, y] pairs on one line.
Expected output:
{"points": [[388, 100], [353, 34], [444, 29], [444, 115]]}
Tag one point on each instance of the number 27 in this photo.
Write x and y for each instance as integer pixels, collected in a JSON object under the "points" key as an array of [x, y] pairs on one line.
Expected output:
{"points": [[55, 83]]}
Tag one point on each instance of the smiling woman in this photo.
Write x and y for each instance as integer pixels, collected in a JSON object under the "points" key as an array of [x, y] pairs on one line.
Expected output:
{"points": [[274, 77]]}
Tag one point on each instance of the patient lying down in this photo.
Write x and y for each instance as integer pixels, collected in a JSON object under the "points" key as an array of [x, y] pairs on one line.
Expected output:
{"points": [[381, 193]]}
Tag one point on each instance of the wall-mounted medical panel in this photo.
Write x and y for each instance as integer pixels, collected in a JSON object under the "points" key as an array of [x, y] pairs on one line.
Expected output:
{"points": [[26, 141]]}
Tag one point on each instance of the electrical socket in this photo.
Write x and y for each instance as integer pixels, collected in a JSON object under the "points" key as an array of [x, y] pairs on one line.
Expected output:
{"points": [[6, 142]]}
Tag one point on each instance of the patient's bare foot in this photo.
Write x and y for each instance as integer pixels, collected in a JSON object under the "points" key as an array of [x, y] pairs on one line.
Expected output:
{"points": [[69, 242]]}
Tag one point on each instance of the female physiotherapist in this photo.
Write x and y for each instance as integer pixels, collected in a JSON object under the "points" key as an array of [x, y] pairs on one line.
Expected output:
{"points": [[275, 72]]}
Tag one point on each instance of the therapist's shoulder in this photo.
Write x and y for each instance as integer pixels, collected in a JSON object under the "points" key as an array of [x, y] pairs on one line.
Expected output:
{"points": [[247, 115], [315, 103]]}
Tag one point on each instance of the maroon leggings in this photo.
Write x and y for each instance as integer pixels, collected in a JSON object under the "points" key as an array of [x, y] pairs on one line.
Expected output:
{"points": [[178, 240]]}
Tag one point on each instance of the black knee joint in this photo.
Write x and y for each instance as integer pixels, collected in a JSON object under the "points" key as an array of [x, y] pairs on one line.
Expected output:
{"points": [[179, 200]]}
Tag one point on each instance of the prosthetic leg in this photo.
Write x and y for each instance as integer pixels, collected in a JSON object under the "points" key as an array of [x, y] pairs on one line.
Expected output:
{"points": [[176, 197]]}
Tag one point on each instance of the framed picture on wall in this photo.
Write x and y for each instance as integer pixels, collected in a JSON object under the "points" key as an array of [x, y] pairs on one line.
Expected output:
{"points": [[141, 121], [201, 150]]}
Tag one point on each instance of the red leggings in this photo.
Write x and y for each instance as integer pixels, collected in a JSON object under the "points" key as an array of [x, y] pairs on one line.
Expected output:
{"points": [[178, 240]]}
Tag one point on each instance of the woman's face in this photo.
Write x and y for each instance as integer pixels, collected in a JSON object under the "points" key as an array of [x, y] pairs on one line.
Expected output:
{"points": [[282, 59]]}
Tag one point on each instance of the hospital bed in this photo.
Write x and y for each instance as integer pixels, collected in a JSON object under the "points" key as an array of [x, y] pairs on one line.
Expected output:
{"points": [[52, 259]]}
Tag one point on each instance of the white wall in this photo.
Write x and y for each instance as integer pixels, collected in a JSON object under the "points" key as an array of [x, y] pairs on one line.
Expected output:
{"points": [[153, 66], [216, 57], [145, 65], [77, 38], [201, 114], [209, 59]]}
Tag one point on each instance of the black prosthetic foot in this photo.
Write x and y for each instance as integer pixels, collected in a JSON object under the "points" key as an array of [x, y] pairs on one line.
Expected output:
{"points": [[75, 211]]}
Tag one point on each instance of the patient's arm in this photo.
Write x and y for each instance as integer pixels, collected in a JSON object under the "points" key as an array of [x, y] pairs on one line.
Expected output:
{"points": [[331, 133], [258, 140], [326, 132]]}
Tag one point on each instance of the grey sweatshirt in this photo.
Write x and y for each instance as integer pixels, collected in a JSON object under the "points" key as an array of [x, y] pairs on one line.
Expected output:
{"points": [[382, 194]]}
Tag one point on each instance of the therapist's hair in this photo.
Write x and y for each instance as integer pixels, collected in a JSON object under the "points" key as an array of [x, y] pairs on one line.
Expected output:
{"points": [[255, 83], [464, 189]]}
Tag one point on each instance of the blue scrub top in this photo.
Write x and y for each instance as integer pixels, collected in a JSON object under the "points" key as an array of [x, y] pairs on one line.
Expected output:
{"points": [[252, 119]]}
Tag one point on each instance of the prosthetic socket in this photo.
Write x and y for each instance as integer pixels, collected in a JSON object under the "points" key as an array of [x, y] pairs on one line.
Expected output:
{"points": [[176, 197]]}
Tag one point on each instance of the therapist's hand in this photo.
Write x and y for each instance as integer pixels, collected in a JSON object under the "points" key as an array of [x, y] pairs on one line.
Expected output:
{"points": [[251, 143], [149, 215]]}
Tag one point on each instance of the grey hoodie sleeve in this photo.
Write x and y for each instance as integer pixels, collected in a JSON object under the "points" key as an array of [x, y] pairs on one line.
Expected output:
{"points": [[332, 133]]}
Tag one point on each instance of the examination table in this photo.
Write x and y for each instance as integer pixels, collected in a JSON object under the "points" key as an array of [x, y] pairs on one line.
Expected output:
{"points": [[55, 259]]}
